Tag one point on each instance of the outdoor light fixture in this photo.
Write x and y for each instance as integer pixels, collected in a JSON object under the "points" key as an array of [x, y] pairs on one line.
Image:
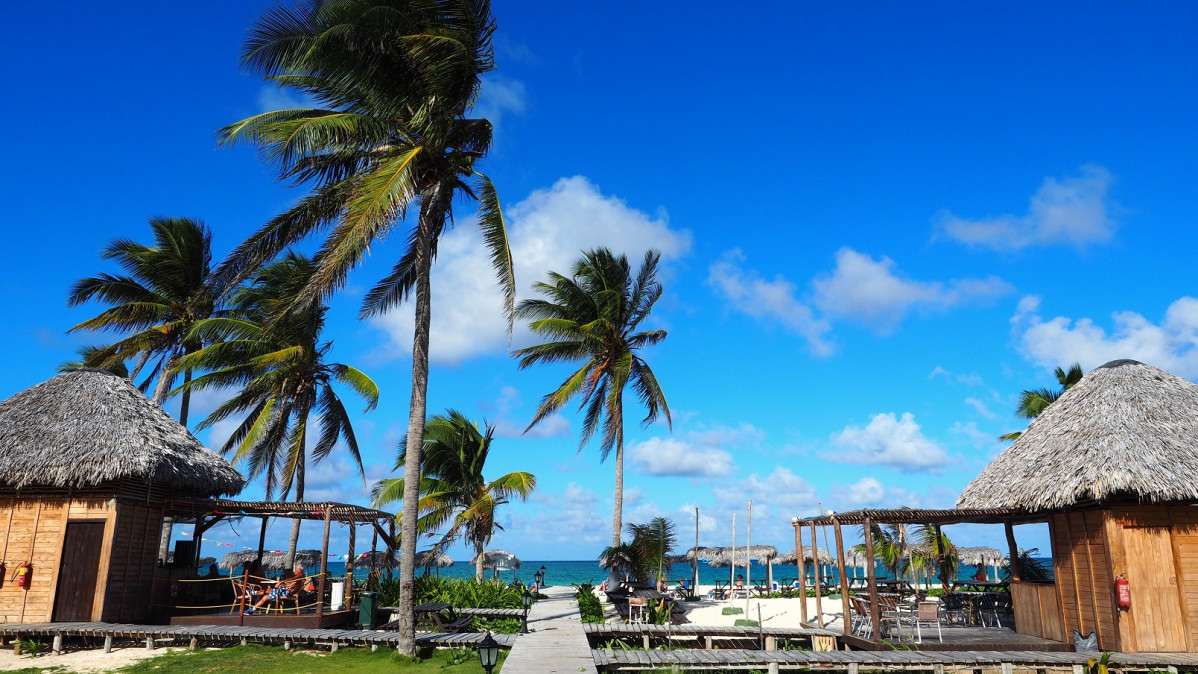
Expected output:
{"points": [[488, 652], [794, 521], [525, 599]]}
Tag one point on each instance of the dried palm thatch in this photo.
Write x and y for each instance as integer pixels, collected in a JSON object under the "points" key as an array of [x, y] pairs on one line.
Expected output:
{"points": [[979, 556], [234, 560], [427, 559], [728, 557], [1126, 430], [380, 559], [89, 427], [498, 560], [271, 560], [702, 552], [825, 557]]}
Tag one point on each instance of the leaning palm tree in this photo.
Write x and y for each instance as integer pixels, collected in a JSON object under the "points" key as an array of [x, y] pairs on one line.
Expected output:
{"points": [[282, 378], [936, 554], [592, 317], [1033, 402], [453, 490], [166, 289], [396, 81]]}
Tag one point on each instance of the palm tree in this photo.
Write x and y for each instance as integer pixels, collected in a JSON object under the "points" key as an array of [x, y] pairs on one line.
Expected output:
{"points": [[453, 490], [654, 540], [890, 546], [1033, 403], [282, 378], [166, 289], [936, 553], [592, 317], [94, 357], [396, 79]]}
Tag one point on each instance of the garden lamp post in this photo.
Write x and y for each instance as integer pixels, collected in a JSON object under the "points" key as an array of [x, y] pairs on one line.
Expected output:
{"points": [[488, 652], [525, 599], [542, 583]]}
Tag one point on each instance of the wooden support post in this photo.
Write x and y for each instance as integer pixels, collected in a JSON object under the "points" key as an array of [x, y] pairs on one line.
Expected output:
{"points": [[108, 644], [391, 552], [349, 564], [802, 572], [16, 645], [324, 564], [191, 645], [875, 611], [844, 587], [287, 644], [819, 609], [149, 643], [262, 539], [333, 647], [854, 668], [244, 641], [771, 643], [772, 668], [1013, 551], [56, 648]]}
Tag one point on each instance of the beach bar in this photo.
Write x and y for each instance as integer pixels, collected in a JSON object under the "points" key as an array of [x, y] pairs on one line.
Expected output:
{"points": [[87, 464], [1112, 468]]}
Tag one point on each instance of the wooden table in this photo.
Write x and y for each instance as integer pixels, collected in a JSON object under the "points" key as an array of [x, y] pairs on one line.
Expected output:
{"points": [[760, 587], [721, 589], [683, 588]]}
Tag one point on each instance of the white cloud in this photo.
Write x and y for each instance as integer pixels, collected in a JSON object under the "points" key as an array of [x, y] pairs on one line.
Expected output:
{"points": [[980, 407], [570, 518], [669, 456], [888, 441], [971, 379], [772, 300], [552, 426], [1072, 211], [1169, 345], [871, 292], [547, 231], [866, 491], [500, 95], [859, 289]]}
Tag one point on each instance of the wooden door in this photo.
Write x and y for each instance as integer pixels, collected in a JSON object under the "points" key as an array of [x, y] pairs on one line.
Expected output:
{"points": [[1155, 614], [78, 570]]}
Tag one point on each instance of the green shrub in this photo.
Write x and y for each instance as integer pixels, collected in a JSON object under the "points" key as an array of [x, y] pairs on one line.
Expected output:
{"points": [[457, 592], [589, 605]]}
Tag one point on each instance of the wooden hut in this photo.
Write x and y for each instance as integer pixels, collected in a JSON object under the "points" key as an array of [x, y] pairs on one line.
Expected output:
{"points": [[1112, 467], [86, 464]]}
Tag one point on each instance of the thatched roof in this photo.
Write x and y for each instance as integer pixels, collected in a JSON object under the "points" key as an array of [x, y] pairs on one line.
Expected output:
{"points": [[430, 558], [702, 552], [739, 556], [825, 557], [379, 559], [1125, 431], [500, 560], [979, 556], [89, 427]]}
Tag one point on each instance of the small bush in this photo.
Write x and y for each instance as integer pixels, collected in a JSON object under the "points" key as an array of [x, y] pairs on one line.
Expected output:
{"points": [[589, 605]]}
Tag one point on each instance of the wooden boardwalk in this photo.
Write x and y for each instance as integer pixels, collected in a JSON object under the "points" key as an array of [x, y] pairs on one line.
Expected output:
{"points": [[855, 661], [193, 634], [710, 636], [556, 642]]}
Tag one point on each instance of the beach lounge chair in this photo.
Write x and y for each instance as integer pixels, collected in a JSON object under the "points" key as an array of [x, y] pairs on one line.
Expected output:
{"points": [[862, 623]]}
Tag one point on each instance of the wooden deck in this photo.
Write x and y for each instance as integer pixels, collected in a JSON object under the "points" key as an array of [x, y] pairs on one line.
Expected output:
{"points": [[962, 639], [328, 620], [712, 636], [854, 661], [226, 634]]}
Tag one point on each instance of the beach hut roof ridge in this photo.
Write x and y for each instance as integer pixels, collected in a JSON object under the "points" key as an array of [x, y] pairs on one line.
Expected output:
{"points": [[89, 427], [1125, 431]]}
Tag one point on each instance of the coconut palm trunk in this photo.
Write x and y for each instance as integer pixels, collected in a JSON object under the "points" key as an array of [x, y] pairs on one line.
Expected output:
{"points": [[478, 562], [293, 542], [432, 206]]}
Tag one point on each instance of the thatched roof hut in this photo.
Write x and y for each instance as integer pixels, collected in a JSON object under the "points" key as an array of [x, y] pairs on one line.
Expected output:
{"points": [[738, 556], [825, 557], [1125, 431], [428, 559], [91, 427]]}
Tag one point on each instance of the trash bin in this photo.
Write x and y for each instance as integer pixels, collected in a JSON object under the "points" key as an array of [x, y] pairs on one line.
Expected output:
{"points": [[368, 603]]}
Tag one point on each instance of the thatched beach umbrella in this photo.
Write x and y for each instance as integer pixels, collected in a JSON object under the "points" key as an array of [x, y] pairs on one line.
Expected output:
{"points": [[981, 556], [824, 557], [427, 559], [741, 557], [1125, 430], [378, 559], [237, 559], [498, 560], [88, 427]]}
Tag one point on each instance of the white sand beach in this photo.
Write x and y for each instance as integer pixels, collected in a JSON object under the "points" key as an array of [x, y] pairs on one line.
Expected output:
{"points": [[778, 612]]}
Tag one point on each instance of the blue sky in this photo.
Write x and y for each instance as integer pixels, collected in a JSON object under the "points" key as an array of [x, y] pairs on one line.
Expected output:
{"points": [[879, 222]]}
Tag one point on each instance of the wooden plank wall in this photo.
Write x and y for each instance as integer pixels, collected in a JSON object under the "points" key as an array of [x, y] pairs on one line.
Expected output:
{"points": [[32, 530], [1081, 564], [1036, 610], [132, 560], [1185, 550]]}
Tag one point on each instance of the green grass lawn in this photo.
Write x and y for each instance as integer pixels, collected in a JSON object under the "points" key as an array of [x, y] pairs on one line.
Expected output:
{"points": [[274, 660]]}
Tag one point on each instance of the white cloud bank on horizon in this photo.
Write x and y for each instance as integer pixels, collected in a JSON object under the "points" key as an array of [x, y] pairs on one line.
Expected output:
{"points": [[860, 289], [547, 232], [1070, 211], [1061, 341], [891, 441]]}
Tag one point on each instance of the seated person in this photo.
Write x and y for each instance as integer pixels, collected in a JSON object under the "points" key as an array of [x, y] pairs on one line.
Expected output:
{"points": [[286, 586], [740, 582], [980, 576], [254, 575], [663, 585]]}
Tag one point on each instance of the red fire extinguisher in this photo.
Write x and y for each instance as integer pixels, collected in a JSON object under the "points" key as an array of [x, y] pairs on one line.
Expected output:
{"points": [[22, 574], [1123, 591]]}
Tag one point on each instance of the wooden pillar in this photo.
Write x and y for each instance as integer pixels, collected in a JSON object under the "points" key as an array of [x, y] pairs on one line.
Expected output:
{"points": [[262, 539], [391, 553], [819, 610], [802, 583], [1013, 551], [324, 564], [349, 563], [844, 586], [875, 611]]}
